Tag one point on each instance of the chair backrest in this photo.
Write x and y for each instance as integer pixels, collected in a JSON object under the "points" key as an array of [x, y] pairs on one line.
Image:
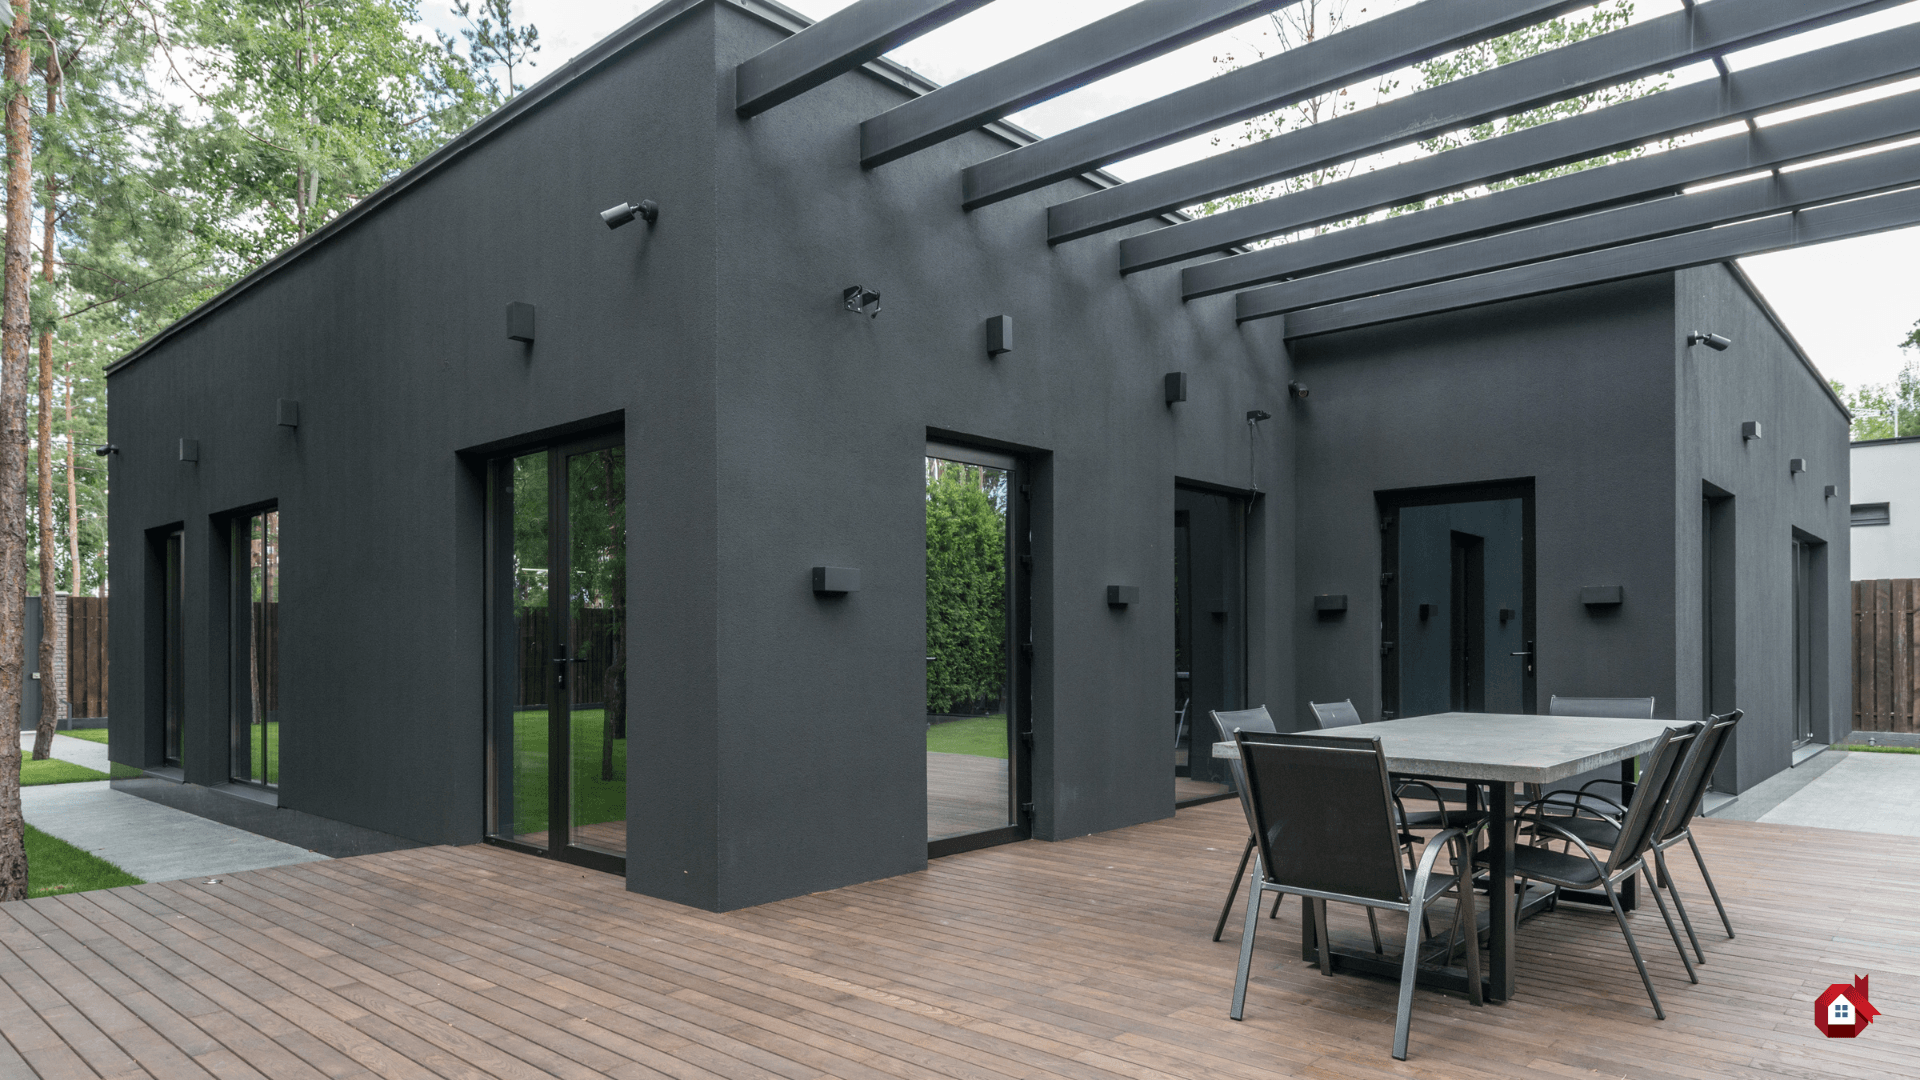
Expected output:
{"points": [[1627, 708], [1322, 811], [1226, 723], [1690, 790], [1335, 714], [1647, 811]]}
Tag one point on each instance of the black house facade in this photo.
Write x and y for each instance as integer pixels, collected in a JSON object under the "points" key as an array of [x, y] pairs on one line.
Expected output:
{"points": [[645, 585]]}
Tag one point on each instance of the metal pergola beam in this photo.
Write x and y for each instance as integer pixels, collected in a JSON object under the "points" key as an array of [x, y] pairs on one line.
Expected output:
{"points": [[1130, 36], [1857, 64], [1568, 71], [1372, 48], [1589, 189], [1834, 221], [1591, 232], [836, 45]]}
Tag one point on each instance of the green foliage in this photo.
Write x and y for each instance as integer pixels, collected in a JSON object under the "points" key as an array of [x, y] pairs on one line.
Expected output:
{"points": [[493, 41], [1885, 410], [984, 736], [57, 867], [55, 771], [1878, 749], [966, 584]]}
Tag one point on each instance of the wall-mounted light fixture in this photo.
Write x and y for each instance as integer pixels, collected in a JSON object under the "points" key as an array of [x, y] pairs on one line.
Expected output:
{"points": [[861, 300], [1750, 430], [1603, 595], [103, 451], [1426, 612], [1176, 385], [520, 322], [999, 333], [1122, 595], [286, 413], [1254, 416], [1796, 465], [835, 580], [646, 209], [189, 449], [1833, 491], [1330, 603], [1715, 342], [1297, 391]]}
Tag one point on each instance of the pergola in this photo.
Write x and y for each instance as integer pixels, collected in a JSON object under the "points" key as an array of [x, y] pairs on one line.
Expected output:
{"points": [[1704, 202]]}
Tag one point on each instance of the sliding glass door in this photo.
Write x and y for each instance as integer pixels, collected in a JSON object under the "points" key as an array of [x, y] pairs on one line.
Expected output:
{"points": [[558, 736]]}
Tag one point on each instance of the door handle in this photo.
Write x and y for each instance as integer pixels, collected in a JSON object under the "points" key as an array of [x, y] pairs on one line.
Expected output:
{"points": [[1527, 653]]}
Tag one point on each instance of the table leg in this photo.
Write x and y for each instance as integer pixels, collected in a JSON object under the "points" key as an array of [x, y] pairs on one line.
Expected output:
{"points": [[1309, 933], [1629, 889], [1500, 893]]}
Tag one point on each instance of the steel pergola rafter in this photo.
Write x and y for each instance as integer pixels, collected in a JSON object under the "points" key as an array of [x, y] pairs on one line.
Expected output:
{"points": [[836, 45]]}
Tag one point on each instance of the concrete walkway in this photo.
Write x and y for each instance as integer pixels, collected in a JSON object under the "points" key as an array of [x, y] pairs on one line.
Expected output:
{"points": [[150, 841], [1860, 792]]}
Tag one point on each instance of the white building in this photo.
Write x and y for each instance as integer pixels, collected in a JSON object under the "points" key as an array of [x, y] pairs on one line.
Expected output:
{"points": [[1886, 508]]}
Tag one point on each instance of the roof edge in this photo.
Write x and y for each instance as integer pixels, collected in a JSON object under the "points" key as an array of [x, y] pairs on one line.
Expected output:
{"points": [[1793, 343]]}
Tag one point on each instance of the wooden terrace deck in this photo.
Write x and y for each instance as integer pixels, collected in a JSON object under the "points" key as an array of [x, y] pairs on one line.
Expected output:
{"points": [[1082, 960]]}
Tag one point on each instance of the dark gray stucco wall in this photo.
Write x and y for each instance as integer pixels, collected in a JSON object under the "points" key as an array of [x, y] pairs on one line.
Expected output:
{"points": [[391, 336], [823, 418], [1760, 378], [1573, 390]]}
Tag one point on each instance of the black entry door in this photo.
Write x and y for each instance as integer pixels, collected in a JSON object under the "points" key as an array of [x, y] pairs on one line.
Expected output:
{"points": [[558, 616], [1209, 634], [1457, 621]]}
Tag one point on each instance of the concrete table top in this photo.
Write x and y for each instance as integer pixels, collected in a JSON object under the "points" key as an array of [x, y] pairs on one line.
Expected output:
{"points": [[1499, 747]]}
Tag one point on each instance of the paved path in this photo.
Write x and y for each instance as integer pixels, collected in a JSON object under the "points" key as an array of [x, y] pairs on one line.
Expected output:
{"points": [[1861, 792], [150, 841]]}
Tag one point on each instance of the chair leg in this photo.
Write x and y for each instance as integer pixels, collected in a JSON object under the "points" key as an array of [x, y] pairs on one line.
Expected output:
{"points": [[1221, 926], [1325, 935], [1711, 891], [1246, 944], [1373, 924], [1275, 913], [1660, 858], [1468, 920], [1646, 980], [1409, 974], [1673, 931]]}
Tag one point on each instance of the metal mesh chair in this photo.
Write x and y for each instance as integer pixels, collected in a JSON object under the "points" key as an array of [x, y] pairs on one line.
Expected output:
{"points": [[1342, 714], [1626, 708], [1335, 714], [1638, 828], [1596, 819], [1323, 815]]}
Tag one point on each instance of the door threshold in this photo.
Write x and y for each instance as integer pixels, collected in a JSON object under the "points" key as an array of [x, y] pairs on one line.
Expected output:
{"points": [[1804, 754], [249, 792]]}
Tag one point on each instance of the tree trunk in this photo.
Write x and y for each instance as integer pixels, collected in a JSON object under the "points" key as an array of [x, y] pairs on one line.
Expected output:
{"points": [[49, 541], [15, 330], [73, 497]]}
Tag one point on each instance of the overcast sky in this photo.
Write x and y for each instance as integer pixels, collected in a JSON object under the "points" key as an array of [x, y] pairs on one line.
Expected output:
{"points": [[1850, 302]]}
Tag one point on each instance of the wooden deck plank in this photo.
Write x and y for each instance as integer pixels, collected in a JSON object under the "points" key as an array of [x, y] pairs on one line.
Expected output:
{"points": [[1084, 960]]}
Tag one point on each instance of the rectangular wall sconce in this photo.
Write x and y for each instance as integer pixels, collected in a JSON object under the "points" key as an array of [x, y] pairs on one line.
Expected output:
{"points": [[287, 413], [1122, 595], [1833, 491], [835, 580], [1176, 386], [520, 322], [1334, 602], [1797, 465], [999, 335], [1506, 615], [1603, 595], [1750, 429], [189, 449], [1426, 612]]}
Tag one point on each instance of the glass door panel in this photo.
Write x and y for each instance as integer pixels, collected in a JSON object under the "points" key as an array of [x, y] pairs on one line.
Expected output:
{"points": [[174, 671], [596, 617], [256, 713], [521, 784], [975, 703]]}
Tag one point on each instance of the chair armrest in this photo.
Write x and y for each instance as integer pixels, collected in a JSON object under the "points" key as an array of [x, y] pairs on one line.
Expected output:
{"points": [[1556, 798], [1598, 866], [1431, 790]]}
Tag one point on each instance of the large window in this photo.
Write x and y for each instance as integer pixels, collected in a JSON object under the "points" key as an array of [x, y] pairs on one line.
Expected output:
{"points": [[256, 641]]}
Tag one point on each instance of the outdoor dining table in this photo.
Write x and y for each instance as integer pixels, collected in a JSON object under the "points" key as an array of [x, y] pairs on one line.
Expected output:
{"points": [[1497, 750]]}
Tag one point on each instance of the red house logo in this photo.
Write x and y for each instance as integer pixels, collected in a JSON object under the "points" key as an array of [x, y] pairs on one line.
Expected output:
{"points": [[1843, 1011]]}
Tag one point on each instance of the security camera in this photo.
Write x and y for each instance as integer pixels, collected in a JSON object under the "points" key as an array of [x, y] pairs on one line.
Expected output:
{"points": [[103, 451], [626, 212], [1254, 416], [1712, 341], [1297, 390]]}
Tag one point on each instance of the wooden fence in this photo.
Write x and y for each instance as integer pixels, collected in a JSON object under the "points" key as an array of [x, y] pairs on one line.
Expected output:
{"points": [[1886, 655], [87, 655], [597, 638]]}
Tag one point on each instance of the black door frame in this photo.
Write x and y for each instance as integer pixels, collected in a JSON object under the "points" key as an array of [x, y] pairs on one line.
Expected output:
{"points": [[1019, 646], [1389, 504], [1244, 501], [173, 670], [240, 631], [502, 639]]}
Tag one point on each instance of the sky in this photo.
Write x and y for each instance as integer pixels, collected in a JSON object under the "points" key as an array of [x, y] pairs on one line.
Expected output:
{"points": [[1849, 302]]}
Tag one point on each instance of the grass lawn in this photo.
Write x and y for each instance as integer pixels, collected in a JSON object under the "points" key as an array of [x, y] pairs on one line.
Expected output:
{"points": [[1881, 749], [594, 800], [985, 736], [55, 771], [55, 866], [91, 734], [266, 752]]}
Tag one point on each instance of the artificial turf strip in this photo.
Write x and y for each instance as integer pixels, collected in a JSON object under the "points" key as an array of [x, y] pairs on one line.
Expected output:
{"points": [[1882, 749], [55, 866], [55, 771], [91, 734], [985, 736]]}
